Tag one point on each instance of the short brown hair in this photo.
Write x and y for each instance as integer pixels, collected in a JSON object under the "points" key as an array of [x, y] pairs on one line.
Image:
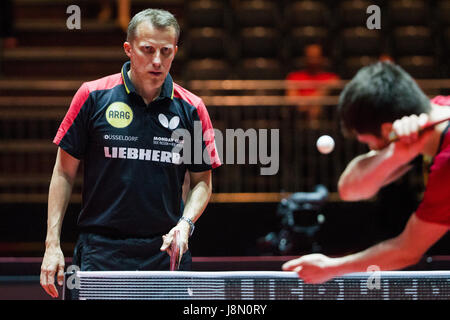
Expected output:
{"points": [[157, 17]]}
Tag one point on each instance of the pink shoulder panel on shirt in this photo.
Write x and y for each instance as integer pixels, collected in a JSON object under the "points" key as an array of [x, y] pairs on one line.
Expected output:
{"points": [[207, 128], [186, 95], [80, 98], [441, 100], [105, 83]]}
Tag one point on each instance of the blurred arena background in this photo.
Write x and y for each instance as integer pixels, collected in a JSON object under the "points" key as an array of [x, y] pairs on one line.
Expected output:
{"points": [[236, 55]]}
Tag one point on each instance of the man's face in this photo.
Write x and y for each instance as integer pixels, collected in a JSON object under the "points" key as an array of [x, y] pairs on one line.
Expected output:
{"points": [[151, 53], [374, 142], [314, 57]]}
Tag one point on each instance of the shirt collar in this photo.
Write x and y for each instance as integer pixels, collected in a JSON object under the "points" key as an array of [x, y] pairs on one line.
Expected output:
{"points": [[166, 89]]}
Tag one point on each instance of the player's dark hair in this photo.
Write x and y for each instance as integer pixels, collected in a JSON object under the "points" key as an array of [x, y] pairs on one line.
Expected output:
{"points": [[381, 92], [159, 18]]}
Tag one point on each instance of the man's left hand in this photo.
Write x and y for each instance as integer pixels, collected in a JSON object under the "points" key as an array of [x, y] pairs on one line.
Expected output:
{"points": [[313, 268]]}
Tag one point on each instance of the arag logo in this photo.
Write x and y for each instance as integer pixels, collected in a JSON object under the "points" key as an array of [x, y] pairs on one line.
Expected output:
{"points": [[119, 115], [172, 124]]}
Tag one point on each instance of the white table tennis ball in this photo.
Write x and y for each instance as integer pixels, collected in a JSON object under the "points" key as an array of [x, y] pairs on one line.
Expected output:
{"points": [[325, 144]]}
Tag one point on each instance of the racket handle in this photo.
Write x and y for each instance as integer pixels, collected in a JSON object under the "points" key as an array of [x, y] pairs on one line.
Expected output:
{"points": [[175, 255]]}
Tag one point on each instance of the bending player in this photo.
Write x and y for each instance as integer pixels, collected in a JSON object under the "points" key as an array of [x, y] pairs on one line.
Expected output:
{"points": [[382, 98]]}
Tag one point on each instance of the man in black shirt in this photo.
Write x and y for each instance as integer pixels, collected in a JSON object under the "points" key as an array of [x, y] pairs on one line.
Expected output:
{"points": [[121, 127]]}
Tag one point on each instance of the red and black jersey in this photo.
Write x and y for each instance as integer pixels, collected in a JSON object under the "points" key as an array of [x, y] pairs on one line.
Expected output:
{"points": [[435, 206], [132, 176]]}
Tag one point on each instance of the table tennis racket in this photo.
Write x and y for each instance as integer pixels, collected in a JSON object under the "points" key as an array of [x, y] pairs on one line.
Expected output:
{"points": [[393, 136], [175, 256]]}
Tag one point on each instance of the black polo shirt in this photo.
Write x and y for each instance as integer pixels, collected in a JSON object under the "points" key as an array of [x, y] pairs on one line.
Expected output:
{"points": [[132, 176]]}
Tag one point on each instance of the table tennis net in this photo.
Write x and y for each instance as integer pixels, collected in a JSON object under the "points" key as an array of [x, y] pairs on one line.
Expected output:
{"points": [[257, 285]]}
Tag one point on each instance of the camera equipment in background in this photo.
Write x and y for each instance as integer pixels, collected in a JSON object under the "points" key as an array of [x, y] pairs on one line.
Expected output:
{"points": [[300, 221]]}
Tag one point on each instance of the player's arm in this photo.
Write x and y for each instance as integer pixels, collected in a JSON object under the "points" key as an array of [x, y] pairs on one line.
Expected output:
{"points": [[63, 177], [196, 202], [397, 253], [366, 174], [199, 194], [404, 250]]}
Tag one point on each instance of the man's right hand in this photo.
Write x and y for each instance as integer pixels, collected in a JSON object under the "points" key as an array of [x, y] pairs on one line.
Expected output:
{"points": [[52, 264], [407, 128], [411, 141]]}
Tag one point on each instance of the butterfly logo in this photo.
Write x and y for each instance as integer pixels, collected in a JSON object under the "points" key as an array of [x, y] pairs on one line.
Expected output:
{"points": [[172, 124]]}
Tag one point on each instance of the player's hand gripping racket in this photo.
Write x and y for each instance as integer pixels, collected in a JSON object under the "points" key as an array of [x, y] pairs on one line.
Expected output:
{"points": [[175, 256], [429, 125]]}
